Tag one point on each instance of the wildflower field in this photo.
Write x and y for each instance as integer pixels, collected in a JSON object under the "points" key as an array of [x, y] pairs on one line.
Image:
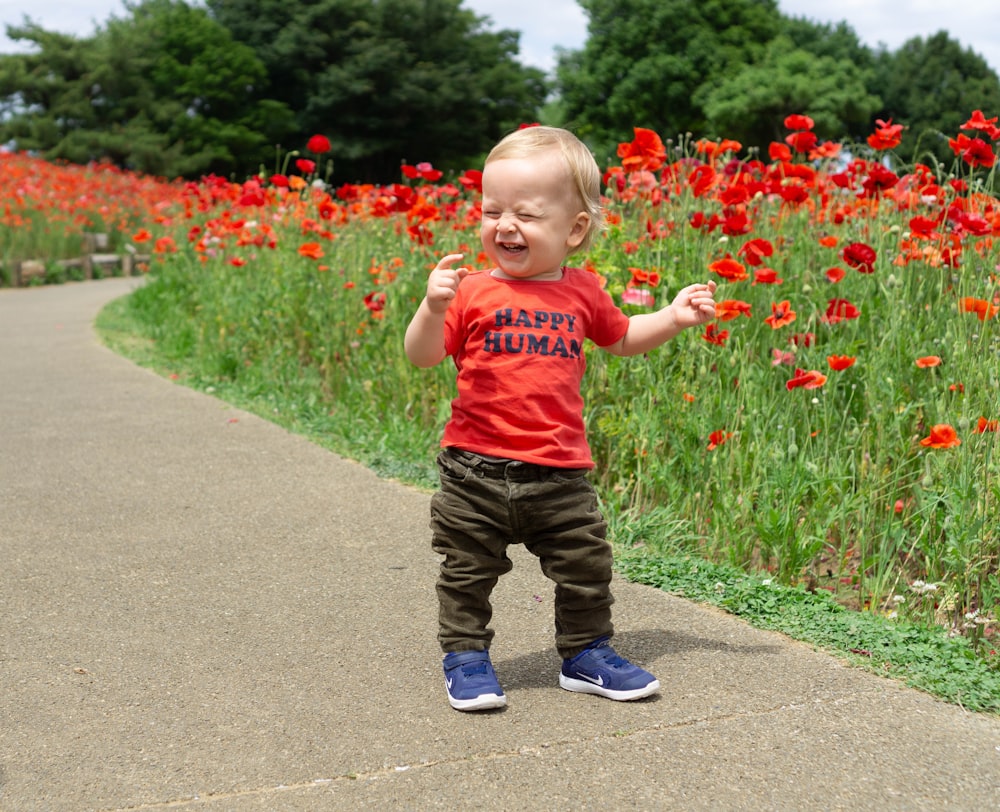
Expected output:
{"points": [[835, 426]]}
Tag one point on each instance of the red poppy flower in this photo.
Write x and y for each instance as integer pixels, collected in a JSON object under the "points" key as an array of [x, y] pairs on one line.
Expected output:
{"points": [[375, 301], [834, 275], [713, 335], [826, 151], [766, 276], [859, 256], [781, 315], [318, 144], [807, 379], [729, 309], [886, 136], [839, 363], [879, 180], [729, 268], [165, 245], [983, 309], [311, 250], [801, 141], [983, 425], [755, 251], [838, 309], [422, 170], [701, 180], [736, 223], [797, 121], [712, 149], [928, 361], [142, 235], [974, 151], [305, 166], [923, 226], [803, 339], [717, 438], [942, 436], [779, 152], [644, 152], [987, 125], [644, 277], [472, 179], [281, 181], [977, 121]]}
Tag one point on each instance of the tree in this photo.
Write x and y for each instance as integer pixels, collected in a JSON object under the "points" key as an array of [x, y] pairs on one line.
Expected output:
{"points": [[653, 63], [931, 86], [414, 80], [164, 91], [751, 105]]}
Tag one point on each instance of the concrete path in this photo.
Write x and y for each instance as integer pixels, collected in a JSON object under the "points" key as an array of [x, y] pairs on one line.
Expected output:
{"points": [[200, 610]]}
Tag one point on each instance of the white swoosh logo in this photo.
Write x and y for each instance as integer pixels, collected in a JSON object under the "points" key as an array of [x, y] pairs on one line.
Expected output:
{"points": [[599, 681]]}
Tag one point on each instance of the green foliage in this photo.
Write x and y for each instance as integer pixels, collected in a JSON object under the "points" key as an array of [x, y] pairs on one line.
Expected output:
{"points": [[927, 84], [735, 68], [652, 63], [750, 105], [175, 88], [417, 80], [165, 91]]}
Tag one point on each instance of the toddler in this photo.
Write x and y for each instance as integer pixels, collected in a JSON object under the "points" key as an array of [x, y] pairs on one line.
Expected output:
{"points": [[515, 457]]}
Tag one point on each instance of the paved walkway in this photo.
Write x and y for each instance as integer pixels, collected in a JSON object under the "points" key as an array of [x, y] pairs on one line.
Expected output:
{"points": [[200, 610]]}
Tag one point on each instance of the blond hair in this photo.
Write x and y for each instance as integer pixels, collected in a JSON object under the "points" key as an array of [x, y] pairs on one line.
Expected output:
{"points": [[583, 170]]}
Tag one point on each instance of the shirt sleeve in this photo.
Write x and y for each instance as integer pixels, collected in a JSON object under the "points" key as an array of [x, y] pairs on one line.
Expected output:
{"points": [[609, 323]]}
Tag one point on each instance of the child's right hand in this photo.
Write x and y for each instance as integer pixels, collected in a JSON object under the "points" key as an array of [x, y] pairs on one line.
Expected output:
{"points": [[442, 284]]}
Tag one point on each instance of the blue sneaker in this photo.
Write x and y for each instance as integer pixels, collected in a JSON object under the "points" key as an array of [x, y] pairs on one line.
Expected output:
{"points": [[598, 669], [471, 681]]}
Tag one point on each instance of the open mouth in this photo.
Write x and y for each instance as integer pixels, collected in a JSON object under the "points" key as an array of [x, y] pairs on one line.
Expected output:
{"points": [[512, 248]]}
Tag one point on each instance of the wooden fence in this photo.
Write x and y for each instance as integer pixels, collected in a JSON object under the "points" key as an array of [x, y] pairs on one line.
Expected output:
{"points": [[95, 261]]}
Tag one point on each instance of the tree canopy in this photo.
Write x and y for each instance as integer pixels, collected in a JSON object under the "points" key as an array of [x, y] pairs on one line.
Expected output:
{"points": [[165, 91], [177, 88], [416, 80], [736, 68]]}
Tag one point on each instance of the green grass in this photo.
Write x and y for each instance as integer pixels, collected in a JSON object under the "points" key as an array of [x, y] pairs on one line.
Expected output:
{"points": [[923, 657]]}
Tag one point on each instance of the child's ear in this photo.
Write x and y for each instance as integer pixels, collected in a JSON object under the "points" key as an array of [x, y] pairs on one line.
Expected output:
{"points": [[577, 234]]}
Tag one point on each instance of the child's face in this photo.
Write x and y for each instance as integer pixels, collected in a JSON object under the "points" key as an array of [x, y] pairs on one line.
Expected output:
{"points": [[531, 218]]}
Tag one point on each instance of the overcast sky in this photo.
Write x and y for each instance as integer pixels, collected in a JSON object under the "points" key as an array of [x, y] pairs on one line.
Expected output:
{"points": [[544, 25]]}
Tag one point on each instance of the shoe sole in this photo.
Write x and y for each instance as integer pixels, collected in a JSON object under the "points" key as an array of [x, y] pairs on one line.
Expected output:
{"points": [[481, 702], [583, 687]]}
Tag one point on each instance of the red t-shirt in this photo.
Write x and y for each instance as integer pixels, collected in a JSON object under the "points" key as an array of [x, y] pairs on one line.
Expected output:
{"points": [[518, 347]]}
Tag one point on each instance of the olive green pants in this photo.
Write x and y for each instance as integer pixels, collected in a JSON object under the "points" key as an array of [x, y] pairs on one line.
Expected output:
{"points": [[483, 506]]}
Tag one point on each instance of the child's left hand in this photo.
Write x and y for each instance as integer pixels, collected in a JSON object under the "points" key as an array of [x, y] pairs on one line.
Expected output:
{"points": [[694, 305]]}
